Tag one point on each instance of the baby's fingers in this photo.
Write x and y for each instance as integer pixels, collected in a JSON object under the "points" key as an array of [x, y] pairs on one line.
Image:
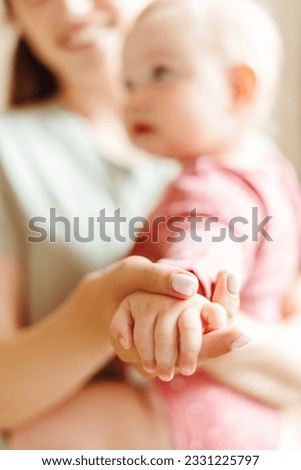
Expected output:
{"points": [[214, 316], [166, 346], [121, 326], [144, 341], [190, 330]]}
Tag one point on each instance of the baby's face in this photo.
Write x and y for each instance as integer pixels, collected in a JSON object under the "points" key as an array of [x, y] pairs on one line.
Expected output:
{"points": [[178, 96]]}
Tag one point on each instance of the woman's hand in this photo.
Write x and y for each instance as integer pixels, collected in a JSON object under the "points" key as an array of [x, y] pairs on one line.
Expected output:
{"points": [[129, 275], [215, 343], [43, 364]]}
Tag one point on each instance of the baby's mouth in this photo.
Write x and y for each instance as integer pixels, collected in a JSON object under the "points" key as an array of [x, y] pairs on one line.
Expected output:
{"points": [[141, 128]]}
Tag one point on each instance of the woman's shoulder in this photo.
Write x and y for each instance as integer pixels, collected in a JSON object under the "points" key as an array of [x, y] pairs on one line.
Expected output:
{"points": [[33, 129], [37, 116]]}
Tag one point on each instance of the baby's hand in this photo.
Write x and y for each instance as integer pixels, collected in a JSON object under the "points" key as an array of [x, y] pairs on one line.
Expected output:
{"points": [[165, 331]]}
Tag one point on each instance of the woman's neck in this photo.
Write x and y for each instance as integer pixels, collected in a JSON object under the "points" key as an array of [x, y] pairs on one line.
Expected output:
{"points": [[94, 101], [100, 104]]}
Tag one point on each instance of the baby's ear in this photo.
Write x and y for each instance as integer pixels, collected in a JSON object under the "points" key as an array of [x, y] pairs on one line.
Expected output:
{"points": [[244, 83]]}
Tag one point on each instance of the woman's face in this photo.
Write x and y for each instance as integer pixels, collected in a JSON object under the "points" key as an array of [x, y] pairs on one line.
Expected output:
{"points": [[73, 37]]}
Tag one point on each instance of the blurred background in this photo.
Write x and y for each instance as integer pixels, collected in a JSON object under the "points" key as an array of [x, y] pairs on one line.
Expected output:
{"points": [[287, 115]]}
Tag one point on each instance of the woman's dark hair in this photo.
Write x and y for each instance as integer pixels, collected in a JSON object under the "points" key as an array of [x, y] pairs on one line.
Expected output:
{"points": [[31, 81]]}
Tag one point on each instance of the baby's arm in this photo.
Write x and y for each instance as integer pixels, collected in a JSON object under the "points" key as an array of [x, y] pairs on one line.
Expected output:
{"points": [[269, 369], [166, 331], [203, 231]]}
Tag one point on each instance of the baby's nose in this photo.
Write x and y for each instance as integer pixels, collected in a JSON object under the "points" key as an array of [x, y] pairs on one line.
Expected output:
{"points": [[138, 99]]}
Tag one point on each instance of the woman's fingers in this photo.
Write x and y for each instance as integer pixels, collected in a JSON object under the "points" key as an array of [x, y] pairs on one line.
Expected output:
{"points": [[138, 273], [222, 341], [226, 293]]}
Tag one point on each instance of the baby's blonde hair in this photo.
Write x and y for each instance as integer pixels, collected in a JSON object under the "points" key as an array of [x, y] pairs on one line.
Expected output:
{"points": [[238, 32]]}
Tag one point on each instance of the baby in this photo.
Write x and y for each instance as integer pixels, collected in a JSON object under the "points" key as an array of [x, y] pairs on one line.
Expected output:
{"points": [[201, 78]]}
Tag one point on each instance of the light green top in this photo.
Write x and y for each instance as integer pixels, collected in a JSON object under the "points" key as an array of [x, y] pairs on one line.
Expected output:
{"points": [[50, 163]]}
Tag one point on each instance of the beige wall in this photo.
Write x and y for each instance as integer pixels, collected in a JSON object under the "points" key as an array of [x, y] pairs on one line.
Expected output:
{"points": [[288, 112]]}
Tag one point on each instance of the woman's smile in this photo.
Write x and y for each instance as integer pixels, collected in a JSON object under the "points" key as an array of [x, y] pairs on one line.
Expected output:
{"points": [[81, 39]]}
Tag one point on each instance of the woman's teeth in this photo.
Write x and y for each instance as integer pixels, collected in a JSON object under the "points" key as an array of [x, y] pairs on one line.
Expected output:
{"points": [[84, 38], [89, 34]]}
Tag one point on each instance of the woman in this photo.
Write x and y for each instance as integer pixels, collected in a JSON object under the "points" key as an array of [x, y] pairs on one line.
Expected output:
{"points": [[69, 152], [64, 158]]}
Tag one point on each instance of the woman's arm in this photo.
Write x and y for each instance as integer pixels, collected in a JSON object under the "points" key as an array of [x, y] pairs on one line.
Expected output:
{"points": [[46, 362], [11, 296]]}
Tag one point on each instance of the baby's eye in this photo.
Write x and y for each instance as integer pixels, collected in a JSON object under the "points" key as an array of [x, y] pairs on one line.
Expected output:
{"points": [[161, 73]]}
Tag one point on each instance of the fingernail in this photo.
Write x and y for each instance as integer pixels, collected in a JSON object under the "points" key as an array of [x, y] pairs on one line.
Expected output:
{"points": [[187, 370], [233, 283], [184, 284], [166, 377], [149, 369], [240, 342]]}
